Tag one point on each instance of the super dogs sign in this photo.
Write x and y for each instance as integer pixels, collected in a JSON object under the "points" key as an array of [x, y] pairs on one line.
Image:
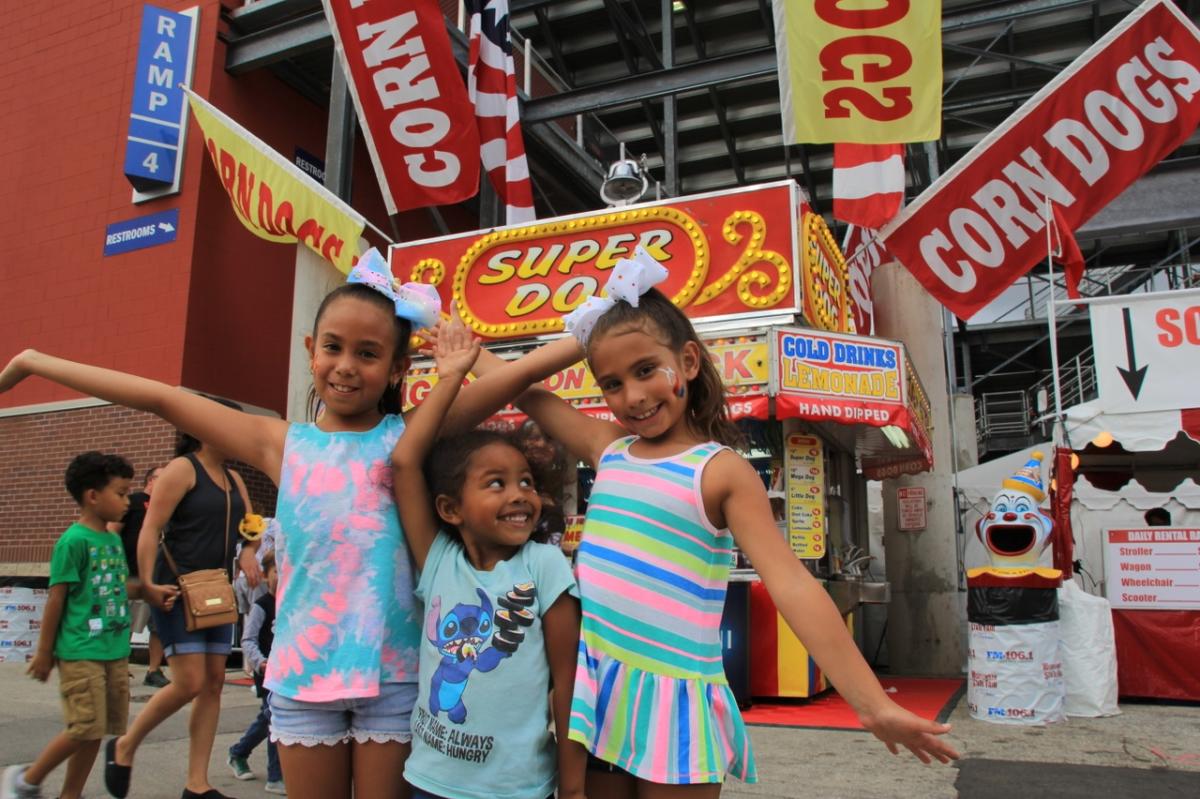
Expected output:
{"points": [[729, 254], [1123, 105]]}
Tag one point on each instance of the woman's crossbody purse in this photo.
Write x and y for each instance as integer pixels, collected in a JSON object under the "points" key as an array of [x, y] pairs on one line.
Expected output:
{"points": [[207, 594]]}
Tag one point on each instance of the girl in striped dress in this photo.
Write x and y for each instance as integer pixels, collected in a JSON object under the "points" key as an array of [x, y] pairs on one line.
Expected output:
{"points": [[671, 498]]}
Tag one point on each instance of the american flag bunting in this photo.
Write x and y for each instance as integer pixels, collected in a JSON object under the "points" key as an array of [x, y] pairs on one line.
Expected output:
{"points": [[492, 87]]}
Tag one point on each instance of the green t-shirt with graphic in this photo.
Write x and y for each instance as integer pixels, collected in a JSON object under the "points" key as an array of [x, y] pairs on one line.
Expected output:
{"points": [[95, 619]]}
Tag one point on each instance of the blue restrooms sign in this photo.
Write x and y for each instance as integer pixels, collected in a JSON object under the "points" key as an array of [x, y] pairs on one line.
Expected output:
{"points": [[158, 119], [145, 231]]}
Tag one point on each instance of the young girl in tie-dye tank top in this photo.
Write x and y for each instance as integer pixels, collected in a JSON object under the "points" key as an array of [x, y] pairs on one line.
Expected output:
{"points": [[343, 667], [651, 703]]}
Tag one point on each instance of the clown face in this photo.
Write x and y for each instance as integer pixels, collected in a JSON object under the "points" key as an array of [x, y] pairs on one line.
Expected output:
{"points": [[1015, 531]]}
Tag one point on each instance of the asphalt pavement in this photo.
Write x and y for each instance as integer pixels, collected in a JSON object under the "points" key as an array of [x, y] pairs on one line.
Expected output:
{"points": [[1150, 750]]}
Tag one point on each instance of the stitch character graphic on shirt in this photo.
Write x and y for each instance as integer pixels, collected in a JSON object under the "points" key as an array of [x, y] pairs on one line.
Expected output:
{"points": [[462, 637]]}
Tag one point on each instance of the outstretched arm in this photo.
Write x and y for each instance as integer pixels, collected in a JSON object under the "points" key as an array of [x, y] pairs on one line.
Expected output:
{"points": [[256, 440], [455, 352], [808, 610]]}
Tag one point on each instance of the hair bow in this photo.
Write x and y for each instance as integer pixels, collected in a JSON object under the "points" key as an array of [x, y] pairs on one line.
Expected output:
{"points": [[630, 279], [417, 302]]}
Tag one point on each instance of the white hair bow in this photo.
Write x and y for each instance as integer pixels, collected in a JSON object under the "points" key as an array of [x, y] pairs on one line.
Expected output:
{"points": [[630, 279]]}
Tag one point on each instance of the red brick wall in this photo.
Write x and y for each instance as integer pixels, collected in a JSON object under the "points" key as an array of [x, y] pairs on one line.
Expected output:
{"points": [[66, 84], [35, 450], [210, 311]]}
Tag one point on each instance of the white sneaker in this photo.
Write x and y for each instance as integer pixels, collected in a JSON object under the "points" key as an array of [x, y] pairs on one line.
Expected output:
{"points": [[13, 787], [276, 788]]}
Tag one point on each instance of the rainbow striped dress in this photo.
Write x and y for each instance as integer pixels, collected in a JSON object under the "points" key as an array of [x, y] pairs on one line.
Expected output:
{"points": [[650, 690]]}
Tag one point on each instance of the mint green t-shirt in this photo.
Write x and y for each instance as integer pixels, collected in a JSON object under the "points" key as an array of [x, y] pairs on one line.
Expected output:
{"points": [[481, 725], [95, 619]]}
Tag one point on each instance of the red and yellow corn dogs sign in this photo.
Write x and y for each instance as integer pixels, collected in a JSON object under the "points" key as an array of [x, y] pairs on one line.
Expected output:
{"points": [[729, 254]]}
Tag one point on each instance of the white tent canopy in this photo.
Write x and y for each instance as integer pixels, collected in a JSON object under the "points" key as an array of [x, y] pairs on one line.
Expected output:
{"points": [[1156, 449]]}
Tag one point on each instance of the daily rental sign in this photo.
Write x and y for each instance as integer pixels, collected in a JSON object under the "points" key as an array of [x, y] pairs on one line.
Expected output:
{"points": [[166, 49], [1102, 123]]}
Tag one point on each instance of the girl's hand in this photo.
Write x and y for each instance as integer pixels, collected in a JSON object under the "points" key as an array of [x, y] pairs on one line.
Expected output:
{"points": [[160, 596], [40, 666], [16, 371], [897, 727], [453, 326], [455, 350]]}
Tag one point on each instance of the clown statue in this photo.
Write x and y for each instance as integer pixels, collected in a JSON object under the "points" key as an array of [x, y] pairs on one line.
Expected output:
{"points": [[1012, 610], [1016, 532]]}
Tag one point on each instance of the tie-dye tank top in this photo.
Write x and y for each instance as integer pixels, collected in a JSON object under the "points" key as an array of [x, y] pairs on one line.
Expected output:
{"points": [[650, 690], [346, 619]]}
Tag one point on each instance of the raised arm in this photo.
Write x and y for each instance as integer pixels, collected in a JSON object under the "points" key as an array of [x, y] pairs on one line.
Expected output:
{"points": [[454, 353], [584, 436], [496, 387], [739, 496], [256, 440]]}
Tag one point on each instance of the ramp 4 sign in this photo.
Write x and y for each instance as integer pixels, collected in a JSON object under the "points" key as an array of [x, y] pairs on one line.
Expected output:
{"points": [[1147, 348]]}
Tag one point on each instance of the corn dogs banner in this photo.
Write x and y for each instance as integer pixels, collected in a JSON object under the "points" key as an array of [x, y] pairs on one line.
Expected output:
{"points": [[729, 255], [271, 196], [411, 100], [858, 71], [1124, 104]]}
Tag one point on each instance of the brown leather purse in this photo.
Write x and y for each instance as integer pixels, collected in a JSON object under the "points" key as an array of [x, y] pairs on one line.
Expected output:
{"points": [[207, 594]]}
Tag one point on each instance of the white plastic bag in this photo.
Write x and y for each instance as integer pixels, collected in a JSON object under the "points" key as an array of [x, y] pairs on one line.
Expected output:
{"points": [[1089, 652]]}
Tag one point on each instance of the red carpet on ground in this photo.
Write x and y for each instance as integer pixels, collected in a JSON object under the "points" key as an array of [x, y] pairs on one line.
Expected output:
{"points": [[928, 698]]}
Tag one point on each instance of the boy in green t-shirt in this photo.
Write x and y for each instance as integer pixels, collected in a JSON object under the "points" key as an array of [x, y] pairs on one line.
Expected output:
{"points": [[85, 629]]}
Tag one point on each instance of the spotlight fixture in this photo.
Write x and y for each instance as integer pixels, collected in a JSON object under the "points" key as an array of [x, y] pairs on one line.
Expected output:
{"points": [[625, 183]]}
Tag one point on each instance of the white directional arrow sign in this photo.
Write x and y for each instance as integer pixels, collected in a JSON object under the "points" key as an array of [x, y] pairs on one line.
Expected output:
{"points": [[1147, 350]]}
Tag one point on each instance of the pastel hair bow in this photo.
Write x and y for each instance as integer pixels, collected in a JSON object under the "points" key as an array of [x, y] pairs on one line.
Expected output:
{"points": [[417, 302], [630, 279]]}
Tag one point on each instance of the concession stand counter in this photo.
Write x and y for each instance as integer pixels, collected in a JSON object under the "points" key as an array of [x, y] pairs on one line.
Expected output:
{"points": [[763, 281]]}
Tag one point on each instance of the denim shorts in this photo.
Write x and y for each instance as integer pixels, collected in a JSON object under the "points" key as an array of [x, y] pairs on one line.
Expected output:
{"points": [[176, 640], [378, 719]]}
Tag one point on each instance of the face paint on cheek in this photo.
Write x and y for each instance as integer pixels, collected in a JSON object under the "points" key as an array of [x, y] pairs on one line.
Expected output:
{"points": [[676, 383]]}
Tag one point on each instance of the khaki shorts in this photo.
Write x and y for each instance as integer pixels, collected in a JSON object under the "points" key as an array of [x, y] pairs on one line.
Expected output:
{"points": [[95, 697]]}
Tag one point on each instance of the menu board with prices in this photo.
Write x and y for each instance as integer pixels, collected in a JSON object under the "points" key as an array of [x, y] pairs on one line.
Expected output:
{"points": [[1153, 568], [804, 464]]}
